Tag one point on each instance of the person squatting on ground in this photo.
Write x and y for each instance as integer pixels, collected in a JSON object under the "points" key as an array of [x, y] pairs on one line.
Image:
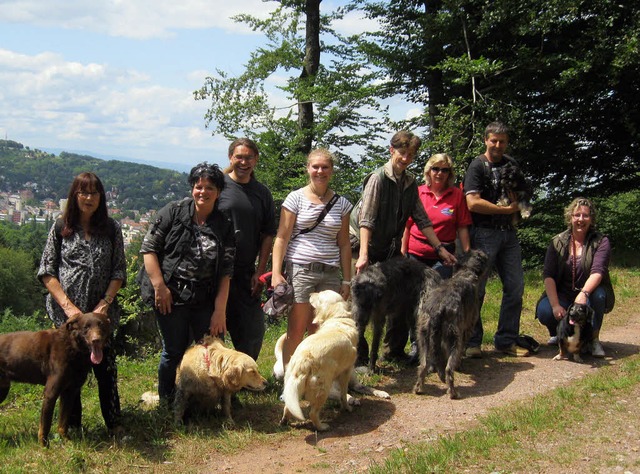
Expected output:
{"points": [[312, 246], [188, 255], [576, 270], [250, 205], [494, 234], [389, 198], [83, 267]]}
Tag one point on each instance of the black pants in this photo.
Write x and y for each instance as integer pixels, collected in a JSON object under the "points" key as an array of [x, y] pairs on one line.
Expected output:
{"points": [[245, 319]]}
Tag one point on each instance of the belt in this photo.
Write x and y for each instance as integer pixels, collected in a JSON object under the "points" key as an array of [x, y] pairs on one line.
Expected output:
{"points": [[495, 226], [316, 267]]}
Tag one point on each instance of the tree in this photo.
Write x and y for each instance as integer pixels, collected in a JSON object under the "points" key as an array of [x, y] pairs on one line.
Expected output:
{"points": [[564, 74], [335, 99], [18, 286]]}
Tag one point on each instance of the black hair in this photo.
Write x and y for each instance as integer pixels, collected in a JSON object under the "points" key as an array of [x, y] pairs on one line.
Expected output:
{"points": [[206, 171]]}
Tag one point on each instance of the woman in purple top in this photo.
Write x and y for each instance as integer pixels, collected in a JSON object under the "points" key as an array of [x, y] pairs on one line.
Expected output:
{"points": [[576, 270]]}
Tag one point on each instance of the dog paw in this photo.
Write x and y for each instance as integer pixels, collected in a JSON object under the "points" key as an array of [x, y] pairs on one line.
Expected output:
{"points": [[322, 427], [418, 389], [558, 357], [453, 394], [577, 358], [353, 401], [381, 394]]}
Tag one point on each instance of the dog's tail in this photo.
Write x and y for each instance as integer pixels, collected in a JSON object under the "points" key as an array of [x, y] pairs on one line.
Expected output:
{"points": [[293, 387]]}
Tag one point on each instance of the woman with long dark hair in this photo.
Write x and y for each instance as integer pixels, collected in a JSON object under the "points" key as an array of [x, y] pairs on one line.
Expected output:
{"points": [[83, 267]]}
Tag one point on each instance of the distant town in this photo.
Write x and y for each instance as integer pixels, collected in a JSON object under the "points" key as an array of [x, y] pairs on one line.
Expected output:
{"points": [[14, 208]]}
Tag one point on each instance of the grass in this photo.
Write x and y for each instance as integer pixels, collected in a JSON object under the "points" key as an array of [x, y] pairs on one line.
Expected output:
{"points": [[510, 439]]}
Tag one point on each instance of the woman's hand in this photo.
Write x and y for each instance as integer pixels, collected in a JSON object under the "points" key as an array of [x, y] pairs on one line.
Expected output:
{"points": [[163, 299], [218, 326], [345, 291], [581, 298], [558, 311], [447, 257], [277, 278]]}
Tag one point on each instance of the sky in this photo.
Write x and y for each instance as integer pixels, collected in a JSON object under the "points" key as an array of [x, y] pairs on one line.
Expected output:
{"points": [[115, 78]]}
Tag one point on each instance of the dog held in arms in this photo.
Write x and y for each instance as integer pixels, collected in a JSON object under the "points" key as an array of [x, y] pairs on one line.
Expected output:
{"points": [[211, 373], [446, 319], [514, 182], [574, 331], [59, 359], [326, 356], [388, 290]]}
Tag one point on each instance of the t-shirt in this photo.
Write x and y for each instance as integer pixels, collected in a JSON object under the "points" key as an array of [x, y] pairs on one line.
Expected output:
{"points": [[252, 211], [475, 181], [447, 213], [319, 245]]}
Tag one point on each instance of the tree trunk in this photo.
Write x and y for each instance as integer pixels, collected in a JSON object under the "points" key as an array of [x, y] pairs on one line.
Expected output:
{"points": [[308, 75]]}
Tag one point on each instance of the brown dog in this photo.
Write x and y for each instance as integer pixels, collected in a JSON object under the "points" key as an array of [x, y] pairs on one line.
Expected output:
{"points": [[59, 359], [211, 372]]}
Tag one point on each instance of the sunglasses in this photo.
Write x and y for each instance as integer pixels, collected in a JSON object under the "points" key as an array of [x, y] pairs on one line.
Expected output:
{"points": [[436, 169]]}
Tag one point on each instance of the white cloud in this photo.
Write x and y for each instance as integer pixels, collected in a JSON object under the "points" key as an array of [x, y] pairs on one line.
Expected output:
{"points": [[133, 18]]}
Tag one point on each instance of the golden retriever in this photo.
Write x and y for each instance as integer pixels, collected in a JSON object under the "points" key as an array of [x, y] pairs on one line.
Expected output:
{"points": [[354, 384], [211, 372], [326, 356]]}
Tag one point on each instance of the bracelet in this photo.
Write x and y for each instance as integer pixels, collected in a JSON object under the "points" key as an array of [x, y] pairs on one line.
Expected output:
{"points": [[108, 298], [346, 282], [438, 247], [587, 294]]}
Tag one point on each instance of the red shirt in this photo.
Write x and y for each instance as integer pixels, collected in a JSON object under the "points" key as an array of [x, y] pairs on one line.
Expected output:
{"points": [[447, 213]]}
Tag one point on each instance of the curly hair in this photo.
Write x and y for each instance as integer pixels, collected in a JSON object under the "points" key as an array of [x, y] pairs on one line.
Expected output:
{"points": [[576, 203]]}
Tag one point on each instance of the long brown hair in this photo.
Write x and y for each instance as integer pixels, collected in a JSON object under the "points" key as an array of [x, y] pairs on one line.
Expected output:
{"points": [[85, 182]]}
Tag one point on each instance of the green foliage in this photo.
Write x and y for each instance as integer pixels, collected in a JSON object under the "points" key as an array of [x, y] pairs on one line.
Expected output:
{"points": [[134, 186], [347, 113], [19, 290], [9, 322]]}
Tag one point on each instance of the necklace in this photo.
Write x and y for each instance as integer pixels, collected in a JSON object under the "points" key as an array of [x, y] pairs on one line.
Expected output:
{"points": [[319, 196], [574, 262]]}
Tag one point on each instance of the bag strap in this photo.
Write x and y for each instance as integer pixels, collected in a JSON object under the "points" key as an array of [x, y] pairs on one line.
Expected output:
{"points": [[324, 212]]}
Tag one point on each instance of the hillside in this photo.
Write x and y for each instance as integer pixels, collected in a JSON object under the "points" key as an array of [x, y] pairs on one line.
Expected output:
{"points": [[138, 186]]}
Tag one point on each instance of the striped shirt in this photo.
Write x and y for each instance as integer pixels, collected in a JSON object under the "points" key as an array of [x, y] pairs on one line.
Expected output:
{"points": [[319, 245]]}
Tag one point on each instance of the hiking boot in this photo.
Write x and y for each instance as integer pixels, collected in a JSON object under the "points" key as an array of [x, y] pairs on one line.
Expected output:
{"points": [[597, 349], [515, 351], [553, 341], [473, 352]]}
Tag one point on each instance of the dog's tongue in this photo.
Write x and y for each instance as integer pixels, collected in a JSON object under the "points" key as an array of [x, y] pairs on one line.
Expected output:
{"points": [[96, 355], [572, 322]]}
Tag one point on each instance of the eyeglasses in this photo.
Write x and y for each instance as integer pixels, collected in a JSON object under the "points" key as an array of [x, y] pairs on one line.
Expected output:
{"points": [[437, 169], [83, 194]]}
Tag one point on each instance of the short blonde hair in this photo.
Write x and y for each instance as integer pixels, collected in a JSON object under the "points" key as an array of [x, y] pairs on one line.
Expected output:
{"points": [[439, 158], [575, 204]]}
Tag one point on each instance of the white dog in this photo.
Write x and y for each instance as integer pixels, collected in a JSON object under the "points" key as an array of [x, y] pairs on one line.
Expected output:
{"points": [[321, 360]]}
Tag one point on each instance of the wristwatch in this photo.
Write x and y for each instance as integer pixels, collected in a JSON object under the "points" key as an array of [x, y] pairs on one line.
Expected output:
{"points": [[108, 298]]}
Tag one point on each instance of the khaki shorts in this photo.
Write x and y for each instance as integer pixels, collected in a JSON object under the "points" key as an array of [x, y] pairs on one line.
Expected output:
{"points": [[311, 278]]}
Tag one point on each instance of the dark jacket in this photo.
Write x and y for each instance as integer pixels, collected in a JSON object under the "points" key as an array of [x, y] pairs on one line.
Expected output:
{"points": [[172, 232]]}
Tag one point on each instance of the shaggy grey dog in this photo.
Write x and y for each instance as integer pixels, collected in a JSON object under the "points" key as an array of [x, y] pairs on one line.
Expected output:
{"points": [[386, 290], [446, 319]]}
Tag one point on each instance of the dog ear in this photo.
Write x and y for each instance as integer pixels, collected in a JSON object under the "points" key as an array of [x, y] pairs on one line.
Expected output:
{"points": [[232, 378]]}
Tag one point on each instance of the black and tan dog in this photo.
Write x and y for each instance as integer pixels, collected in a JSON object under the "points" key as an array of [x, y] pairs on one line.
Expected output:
{"points": [[446, 319], [59, 359], [514, 182], [575, 331]]}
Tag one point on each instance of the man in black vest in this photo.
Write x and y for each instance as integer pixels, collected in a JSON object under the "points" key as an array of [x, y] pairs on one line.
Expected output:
{"points": [[493, 233]]}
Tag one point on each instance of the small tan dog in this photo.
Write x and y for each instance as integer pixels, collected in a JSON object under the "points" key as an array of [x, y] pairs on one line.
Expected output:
{"points": [[320, 359], [210, 372]]}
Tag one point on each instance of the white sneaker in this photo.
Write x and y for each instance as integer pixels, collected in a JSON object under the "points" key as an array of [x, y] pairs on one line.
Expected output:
{"points": [[553, 341], [596, 349]]}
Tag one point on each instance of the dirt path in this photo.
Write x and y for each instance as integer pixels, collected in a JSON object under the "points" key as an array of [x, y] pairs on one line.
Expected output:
{"points": [[367, 435]]}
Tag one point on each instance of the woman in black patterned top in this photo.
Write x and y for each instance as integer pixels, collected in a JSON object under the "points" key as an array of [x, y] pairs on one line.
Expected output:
{"points": [[83, 267]]}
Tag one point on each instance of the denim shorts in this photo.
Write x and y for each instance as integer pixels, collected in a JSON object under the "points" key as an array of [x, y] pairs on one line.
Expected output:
{"points": [[311, 278]]}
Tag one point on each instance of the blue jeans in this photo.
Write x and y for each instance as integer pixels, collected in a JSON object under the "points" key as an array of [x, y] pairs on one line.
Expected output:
{"points": [[503, 249], [185, 324], [596, 300]]}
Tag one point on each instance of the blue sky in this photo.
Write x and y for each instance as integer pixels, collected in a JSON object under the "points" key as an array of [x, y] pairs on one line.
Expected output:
{"points": [[114, 78]]}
